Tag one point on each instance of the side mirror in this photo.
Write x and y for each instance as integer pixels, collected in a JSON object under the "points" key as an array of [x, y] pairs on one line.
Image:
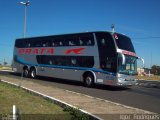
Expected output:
{"points": [[141, 60]]}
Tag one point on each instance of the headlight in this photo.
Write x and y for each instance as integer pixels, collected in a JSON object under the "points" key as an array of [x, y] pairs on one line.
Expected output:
{"points": [[121, 79]]}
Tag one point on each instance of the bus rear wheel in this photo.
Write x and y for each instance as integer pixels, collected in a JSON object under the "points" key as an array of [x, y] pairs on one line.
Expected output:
{"points": [[25, 72], [33, 73], [88, 80]]}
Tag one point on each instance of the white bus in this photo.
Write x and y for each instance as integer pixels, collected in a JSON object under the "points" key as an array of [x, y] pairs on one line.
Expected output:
{"points": [[92, 57]]}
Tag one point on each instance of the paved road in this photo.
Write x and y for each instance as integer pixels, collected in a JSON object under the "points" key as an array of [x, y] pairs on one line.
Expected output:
{"points": [[143, 97]]}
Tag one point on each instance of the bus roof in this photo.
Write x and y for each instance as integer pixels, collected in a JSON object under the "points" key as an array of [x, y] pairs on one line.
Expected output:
{"points": [[64, 34]]}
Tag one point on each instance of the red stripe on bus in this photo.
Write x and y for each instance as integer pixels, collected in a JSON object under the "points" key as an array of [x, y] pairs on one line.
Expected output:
{"points": [[75, 51], [128, 53]]}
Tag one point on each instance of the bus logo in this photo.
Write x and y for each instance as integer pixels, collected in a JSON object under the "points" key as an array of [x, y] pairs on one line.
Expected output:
{"points": [[36, 51], [47, 51], [75, 51]]}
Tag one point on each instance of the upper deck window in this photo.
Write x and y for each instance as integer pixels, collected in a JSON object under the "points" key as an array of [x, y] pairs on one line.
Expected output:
{"points": [[82, 39]]}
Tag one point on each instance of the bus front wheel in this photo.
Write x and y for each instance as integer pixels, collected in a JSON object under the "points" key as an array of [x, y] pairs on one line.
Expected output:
{"points": [[89, 80]]}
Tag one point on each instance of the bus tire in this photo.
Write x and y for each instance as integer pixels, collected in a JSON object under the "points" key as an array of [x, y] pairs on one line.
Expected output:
{"points": [[88, 80], [33, 73], [25, 72]]}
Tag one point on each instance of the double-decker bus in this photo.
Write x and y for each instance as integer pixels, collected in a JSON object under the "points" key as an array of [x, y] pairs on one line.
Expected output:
{"points": [[91, 57]]}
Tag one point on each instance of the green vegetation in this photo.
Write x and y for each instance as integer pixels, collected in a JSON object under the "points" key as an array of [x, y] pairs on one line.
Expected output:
{"points": [[155, 70], [30, 107], [77, 115], [2, 67], [154, 73], [4, 63]]}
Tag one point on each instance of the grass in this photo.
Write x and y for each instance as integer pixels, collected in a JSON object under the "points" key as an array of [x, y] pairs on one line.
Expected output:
{"points": [[29, 105], [5, 67], [149, 78]]}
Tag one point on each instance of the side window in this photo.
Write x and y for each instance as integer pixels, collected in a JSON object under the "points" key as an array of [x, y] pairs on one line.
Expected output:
{"points": [[71, 43], [86, 40], [36, 43], [20, 43], [17, 43], [103, 42], [56, 42], [107, 51], [33, 42], [76, 61], [44, 43], [84, 61], [28, 44], [71, 40], [109, 64]]}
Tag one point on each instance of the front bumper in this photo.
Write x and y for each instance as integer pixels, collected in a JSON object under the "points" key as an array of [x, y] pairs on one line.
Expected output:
{"points": [[126, 80]]}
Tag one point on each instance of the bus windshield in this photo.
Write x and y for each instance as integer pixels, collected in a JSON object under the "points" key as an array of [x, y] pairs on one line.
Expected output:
{"points": [[130, 66], [123, 42]]}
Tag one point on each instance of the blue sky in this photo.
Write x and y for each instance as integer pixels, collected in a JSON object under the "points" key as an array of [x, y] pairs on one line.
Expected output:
{"points": [[138, 19]]}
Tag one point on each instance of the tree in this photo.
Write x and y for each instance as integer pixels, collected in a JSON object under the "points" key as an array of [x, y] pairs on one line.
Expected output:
{"points": [[5, 63], [155, 70]]}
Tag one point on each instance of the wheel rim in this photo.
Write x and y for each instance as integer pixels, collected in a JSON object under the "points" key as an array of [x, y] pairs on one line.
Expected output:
{"points": [[88, 81], [33, 74], [25, 72]]}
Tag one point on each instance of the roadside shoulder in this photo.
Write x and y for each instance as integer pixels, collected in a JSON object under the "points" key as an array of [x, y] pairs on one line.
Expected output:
{"points": [[88, 104]]}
